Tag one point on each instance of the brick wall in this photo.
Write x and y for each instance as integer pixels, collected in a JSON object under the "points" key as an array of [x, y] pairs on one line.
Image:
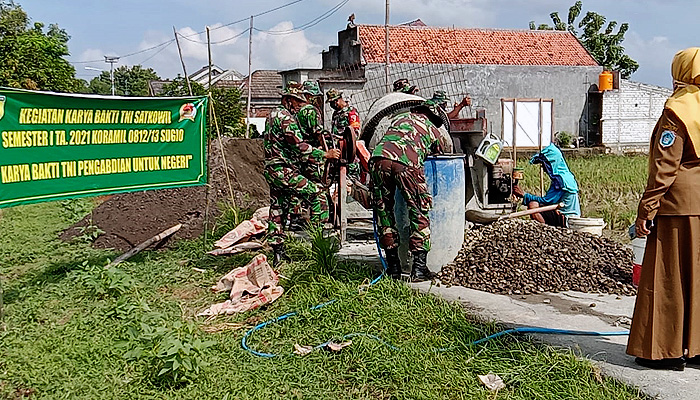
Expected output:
{"points": [[630, 114]]}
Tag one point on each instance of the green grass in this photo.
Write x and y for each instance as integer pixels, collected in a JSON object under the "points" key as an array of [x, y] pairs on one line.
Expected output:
{"points": [[65, 320], [610, 186]]}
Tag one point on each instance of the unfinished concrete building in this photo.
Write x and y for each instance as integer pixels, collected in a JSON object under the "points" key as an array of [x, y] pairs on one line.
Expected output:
{"points": [[494, 66]]}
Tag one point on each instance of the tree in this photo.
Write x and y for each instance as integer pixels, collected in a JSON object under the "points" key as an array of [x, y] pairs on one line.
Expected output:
{"points": [[602, 42], [227, 104], [128, 81], [32, 57]]}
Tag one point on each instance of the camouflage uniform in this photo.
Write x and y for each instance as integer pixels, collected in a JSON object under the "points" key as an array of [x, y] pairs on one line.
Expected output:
{"points": [[347, 116], [397, 163], [285, 152], [310, 123], [402, 86]]}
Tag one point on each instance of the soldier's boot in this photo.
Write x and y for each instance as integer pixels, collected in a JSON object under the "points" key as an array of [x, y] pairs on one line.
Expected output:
{"points": [[393, 263], [280, 254], [419, 270]]}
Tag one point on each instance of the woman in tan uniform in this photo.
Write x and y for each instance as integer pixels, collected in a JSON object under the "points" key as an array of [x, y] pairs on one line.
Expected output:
{"points": [[665, 331]]}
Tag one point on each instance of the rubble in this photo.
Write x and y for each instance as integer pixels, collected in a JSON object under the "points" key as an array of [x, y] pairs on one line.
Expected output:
{"points": [[520, 257]]}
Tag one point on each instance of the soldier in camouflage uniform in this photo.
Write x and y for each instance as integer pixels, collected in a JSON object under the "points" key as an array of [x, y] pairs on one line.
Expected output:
{"points": [[402, 85], [311, 126], [397, 163], [285, 153], [344, 115], [440, 97]]}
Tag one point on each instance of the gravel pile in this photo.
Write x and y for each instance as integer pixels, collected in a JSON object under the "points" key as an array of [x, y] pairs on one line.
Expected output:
{"points": [[525, 257]]}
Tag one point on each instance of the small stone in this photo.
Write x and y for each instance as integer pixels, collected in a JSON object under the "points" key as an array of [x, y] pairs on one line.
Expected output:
{"points": [[546, 301], [591, 305]]}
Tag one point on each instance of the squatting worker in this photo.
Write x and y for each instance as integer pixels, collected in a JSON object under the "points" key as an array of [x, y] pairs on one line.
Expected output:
{"points": [[666, 321], [397, 163], [285, 155], [562, 189]]}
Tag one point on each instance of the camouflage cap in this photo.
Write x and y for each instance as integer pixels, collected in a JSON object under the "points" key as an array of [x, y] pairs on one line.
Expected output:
{"points": [[333, 94], [312, 88], [402, 85], [440, 98], [434, 111], [294, 89]]}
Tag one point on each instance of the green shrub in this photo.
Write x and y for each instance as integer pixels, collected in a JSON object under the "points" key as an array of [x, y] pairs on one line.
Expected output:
{"points": [[324, 250], [101, 282], [171, 355]]}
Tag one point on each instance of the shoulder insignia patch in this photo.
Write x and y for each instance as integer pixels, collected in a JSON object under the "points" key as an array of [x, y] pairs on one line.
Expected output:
{"points": [[667, 138]]}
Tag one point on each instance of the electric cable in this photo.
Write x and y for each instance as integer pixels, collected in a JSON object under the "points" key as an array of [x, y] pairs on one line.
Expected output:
{"points": [[197, 33], [309, 24], [246, 336]]}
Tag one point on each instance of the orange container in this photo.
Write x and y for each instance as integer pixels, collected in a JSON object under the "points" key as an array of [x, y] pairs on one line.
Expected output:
{"points": [[605, 81]]}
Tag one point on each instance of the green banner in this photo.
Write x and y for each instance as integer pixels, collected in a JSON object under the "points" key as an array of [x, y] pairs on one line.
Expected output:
{"points": [[58, 146]]}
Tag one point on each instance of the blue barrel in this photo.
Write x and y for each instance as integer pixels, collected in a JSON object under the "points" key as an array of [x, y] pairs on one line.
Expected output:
{"points": [[446, 183]]}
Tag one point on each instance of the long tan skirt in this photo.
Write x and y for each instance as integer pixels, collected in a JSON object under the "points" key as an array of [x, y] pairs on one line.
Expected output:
{"points": [[667, 312]]}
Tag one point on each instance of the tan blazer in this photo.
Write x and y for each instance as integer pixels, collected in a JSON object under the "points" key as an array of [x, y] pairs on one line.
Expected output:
{"points": [[673, 186]]}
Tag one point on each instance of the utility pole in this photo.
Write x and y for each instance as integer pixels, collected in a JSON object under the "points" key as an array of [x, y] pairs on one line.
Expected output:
{"points": [[111, 61], [250, 77], [386, 47]]}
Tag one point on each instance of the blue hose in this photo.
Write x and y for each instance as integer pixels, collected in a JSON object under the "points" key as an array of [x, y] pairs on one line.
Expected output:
{"points": [[244, 341]]}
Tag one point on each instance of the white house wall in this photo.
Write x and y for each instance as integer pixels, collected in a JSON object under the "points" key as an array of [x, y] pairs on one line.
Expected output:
{"points": [[630, 114]]}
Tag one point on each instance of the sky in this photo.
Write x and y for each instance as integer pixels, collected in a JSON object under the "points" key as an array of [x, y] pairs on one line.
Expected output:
{"points": [[294, 36]]}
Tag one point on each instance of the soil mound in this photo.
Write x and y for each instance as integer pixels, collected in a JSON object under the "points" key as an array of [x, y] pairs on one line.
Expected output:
{"points": [[525, 257], [128, 219]]}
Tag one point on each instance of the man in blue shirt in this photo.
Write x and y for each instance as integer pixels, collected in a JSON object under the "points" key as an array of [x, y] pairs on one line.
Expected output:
{"points": [[563, 189]]}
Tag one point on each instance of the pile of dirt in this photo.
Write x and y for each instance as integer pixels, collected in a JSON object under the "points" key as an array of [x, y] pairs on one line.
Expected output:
{"points": [[525, 257], [128, 219]]}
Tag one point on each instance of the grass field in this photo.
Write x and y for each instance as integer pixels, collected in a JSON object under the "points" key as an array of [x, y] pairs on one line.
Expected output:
{"points": [[68, 326]]}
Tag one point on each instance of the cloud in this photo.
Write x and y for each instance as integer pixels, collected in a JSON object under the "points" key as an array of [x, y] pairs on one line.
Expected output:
{"points": [[292, 50], [654, 56], [277, 48], [463, 13]]}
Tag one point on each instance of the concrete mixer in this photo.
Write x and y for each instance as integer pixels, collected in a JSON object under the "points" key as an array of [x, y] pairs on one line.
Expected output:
{"points": [[489, 181]]}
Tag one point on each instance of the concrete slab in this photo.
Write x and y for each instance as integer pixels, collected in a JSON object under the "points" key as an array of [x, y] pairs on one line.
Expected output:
{"points": [[578, 311]]}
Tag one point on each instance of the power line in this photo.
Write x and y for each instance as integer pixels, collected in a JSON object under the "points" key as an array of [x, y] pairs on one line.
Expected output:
{"points": [[194, 34], [156, 53], [309, 24], [217, 42]]}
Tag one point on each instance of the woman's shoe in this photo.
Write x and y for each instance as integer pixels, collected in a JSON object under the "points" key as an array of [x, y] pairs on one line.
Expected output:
{"points": [[693, 360], [672, 364]]}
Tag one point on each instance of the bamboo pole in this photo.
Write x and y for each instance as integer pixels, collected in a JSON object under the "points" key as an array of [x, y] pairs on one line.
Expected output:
{"points": [[182, 61], [208, 188], [139, 248], [539, 146], [250, 77]]}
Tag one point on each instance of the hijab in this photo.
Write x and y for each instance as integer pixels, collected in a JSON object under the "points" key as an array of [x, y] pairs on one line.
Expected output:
{"points": [[685, 100]]}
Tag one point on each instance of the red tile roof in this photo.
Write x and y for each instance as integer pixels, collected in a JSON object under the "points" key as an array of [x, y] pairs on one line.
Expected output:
{"points": [[431, 45]]}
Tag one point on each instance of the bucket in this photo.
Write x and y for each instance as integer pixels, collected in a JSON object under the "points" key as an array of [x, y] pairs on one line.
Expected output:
{"points": [[593, 226], [638, 247], [446, 181]]}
